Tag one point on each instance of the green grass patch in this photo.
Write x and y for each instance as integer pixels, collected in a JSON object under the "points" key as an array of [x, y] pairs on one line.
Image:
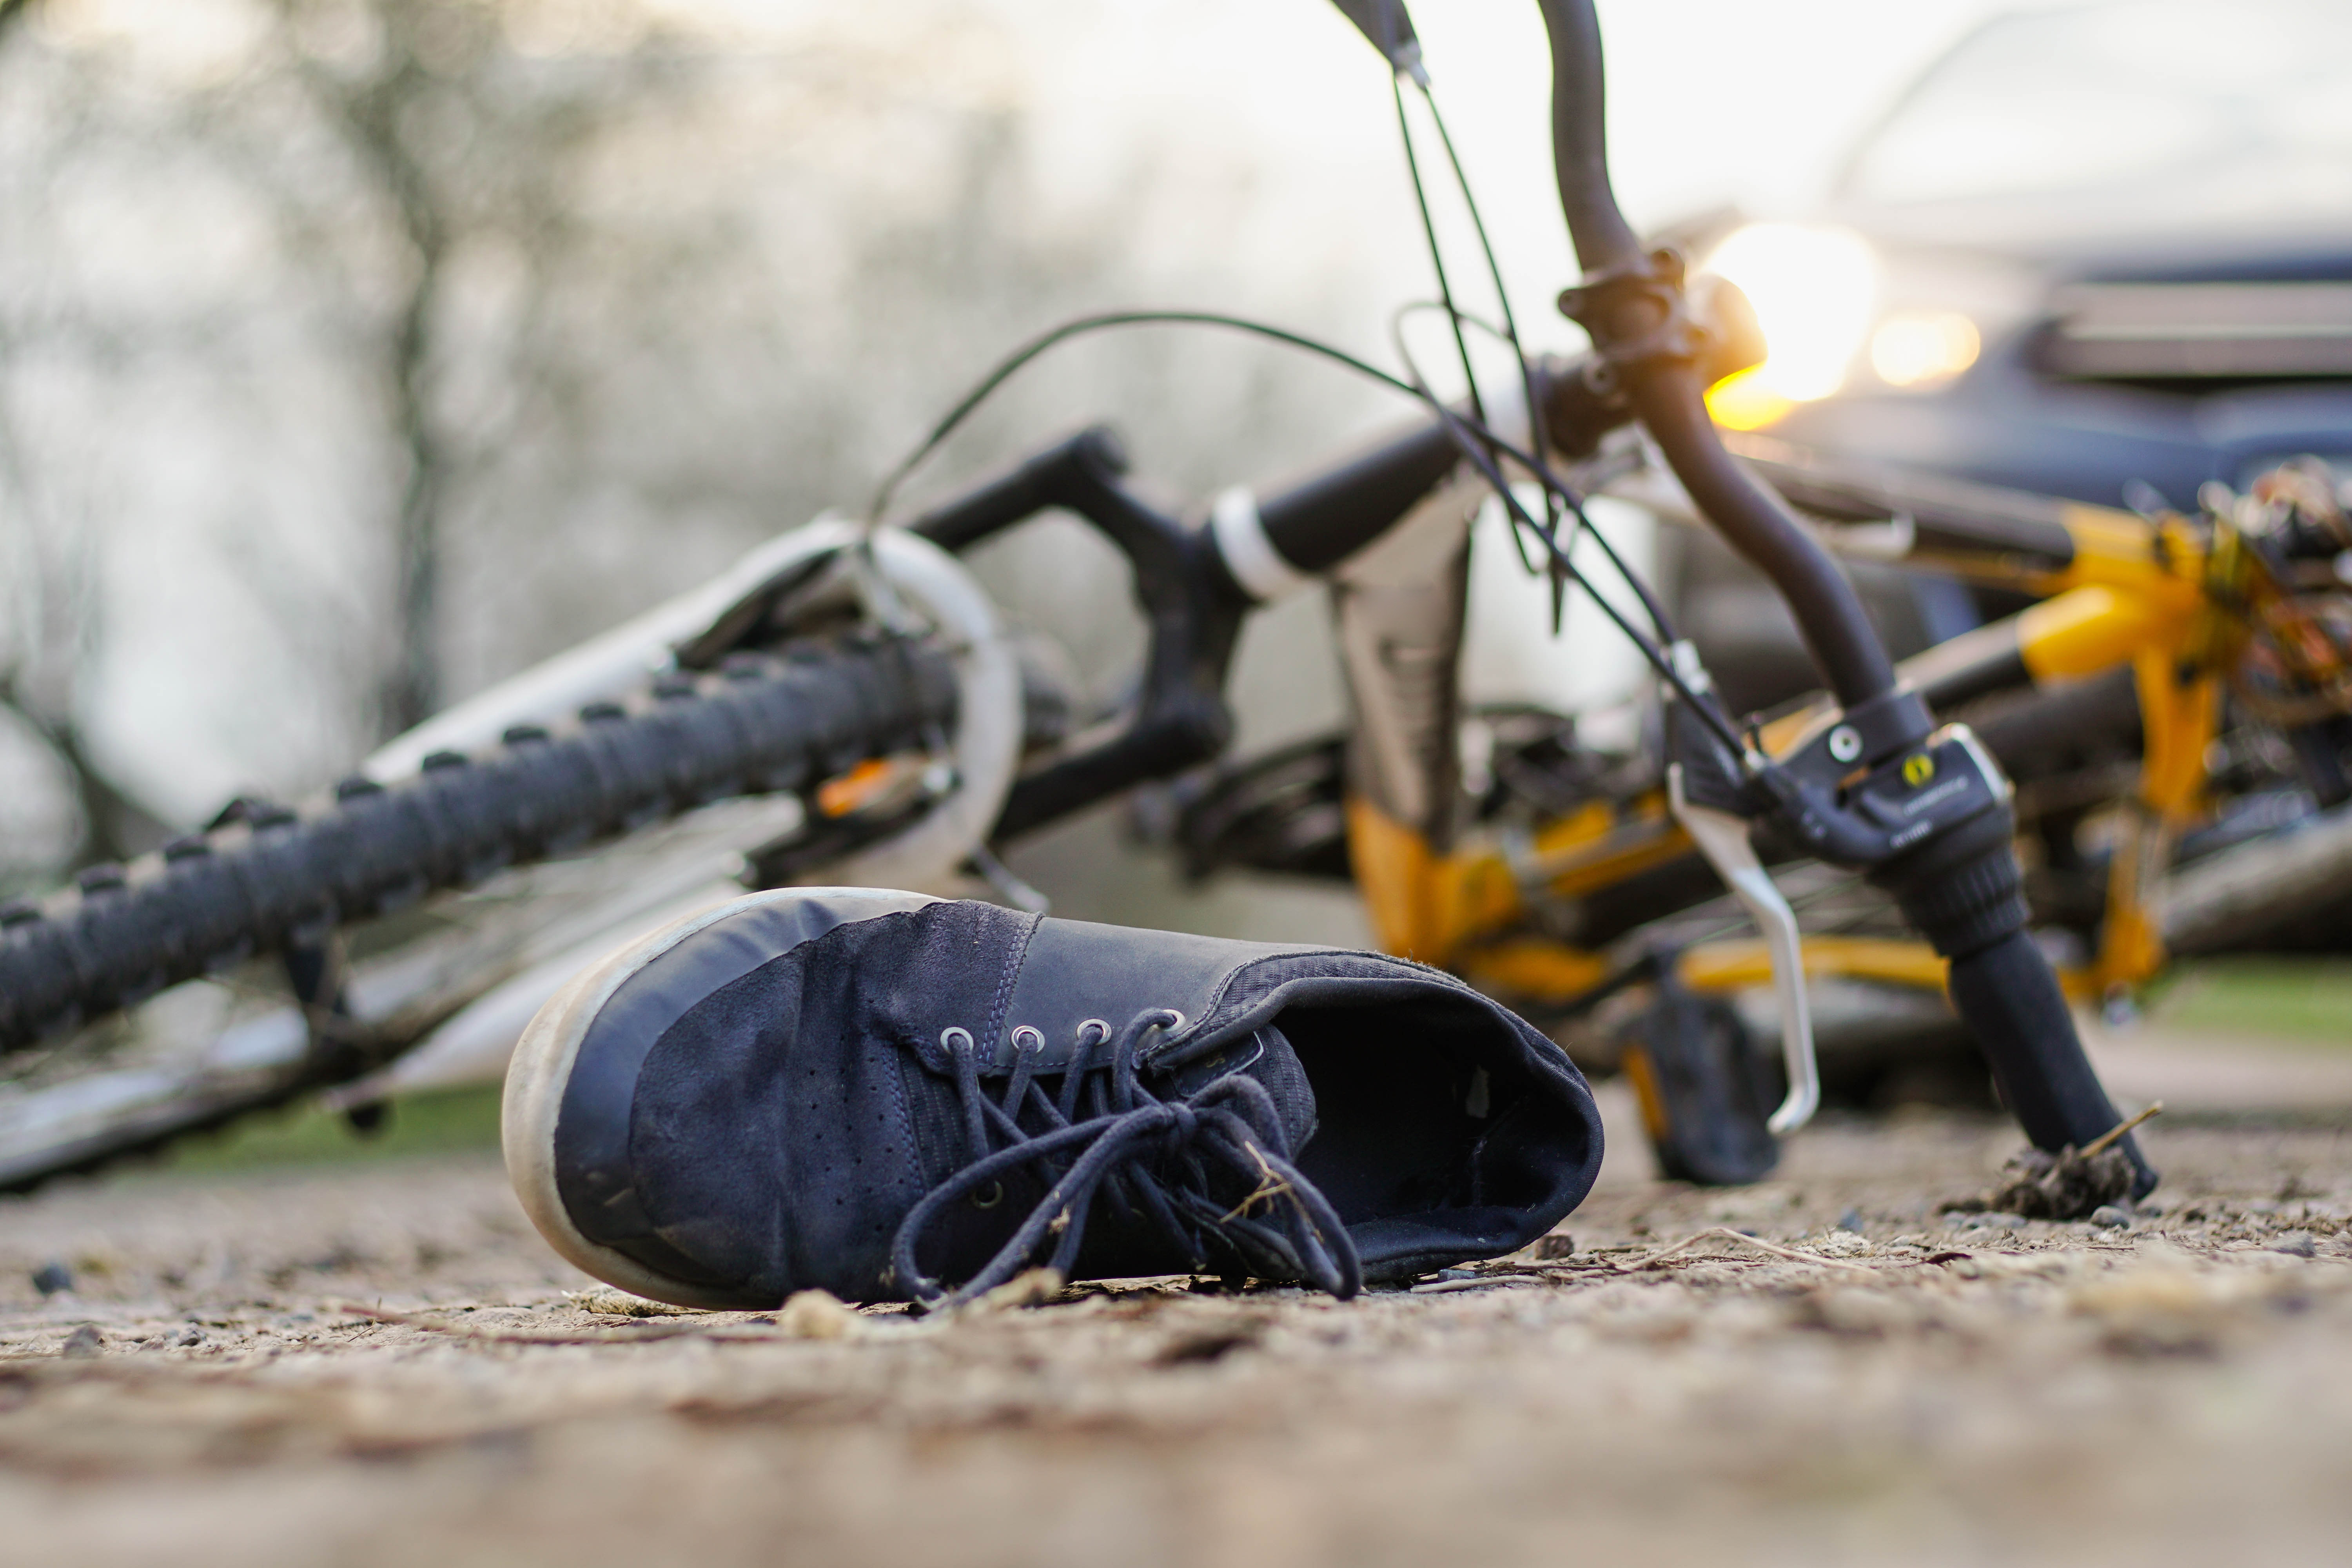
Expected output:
{"points": [[2308, 1000], [434, 1123]]}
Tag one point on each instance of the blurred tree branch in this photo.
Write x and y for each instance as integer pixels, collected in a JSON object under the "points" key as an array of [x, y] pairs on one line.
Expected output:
{"points": [[431, 88], [58, 632], [54, 630], [114, 827], [373, 110]]}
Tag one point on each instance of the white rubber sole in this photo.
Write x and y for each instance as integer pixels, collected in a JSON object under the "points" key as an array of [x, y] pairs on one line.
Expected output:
{"points": [[540, 1069]]}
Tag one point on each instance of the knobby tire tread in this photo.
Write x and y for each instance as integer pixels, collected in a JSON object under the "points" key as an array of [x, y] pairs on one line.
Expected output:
{"points": [[276, 878]]}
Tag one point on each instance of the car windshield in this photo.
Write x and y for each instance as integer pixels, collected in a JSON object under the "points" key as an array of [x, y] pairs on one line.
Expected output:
{"points": [[2238, 106]]}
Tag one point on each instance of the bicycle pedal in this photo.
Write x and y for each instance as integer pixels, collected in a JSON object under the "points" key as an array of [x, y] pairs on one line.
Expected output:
{"points": [[1701, 1083]]}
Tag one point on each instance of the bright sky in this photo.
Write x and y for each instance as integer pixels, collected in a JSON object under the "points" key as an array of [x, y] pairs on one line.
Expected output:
{"points": [[1710, 101], [1268, 120]]}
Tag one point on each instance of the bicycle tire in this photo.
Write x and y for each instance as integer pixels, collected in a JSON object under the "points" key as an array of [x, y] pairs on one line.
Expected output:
{"points": [[276, 878]]}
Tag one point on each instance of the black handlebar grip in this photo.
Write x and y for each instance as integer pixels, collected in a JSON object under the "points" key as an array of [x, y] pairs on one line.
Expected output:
{"points": [[2009, 997], [1963, 889]]}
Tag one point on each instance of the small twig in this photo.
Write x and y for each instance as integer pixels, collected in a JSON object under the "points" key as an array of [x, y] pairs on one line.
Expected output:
{"points": [[1270, 1187], [1727, 1234], [2108, 1139], [1443, 1287]]}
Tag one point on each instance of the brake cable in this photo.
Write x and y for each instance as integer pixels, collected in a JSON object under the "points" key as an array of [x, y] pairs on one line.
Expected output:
{"points": [[1508, 333], [1475, 438]]}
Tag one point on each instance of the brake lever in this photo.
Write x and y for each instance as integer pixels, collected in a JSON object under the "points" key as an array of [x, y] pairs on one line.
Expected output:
{"points": [[1948, 789], [1722, 837]]}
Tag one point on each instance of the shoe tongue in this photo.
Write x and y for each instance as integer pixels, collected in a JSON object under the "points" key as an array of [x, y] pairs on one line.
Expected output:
{"points": [[1285, 1079], [1267, 1056]]}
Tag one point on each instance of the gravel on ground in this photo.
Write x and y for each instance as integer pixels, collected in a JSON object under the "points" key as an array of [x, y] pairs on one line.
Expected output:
{"points": [[384, 1365]]}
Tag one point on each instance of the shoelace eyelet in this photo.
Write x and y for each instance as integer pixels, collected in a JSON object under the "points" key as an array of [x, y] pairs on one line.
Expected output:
{"points": [[989, 1196]]}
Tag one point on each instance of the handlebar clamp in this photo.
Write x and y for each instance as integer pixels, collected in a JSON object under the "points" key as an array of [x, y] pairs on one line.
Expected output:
{"points": [[1639, 315]]}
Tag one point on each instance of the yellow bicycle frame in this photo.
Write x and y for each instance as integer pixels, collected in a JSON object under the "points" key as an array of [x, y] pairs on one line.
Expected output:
{"points": [[2151, 594]]}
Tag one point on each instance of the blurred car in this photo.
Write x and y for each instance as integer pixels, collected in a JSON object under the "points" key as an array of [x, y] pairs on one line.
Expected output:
{"points": [[2090, 249]]}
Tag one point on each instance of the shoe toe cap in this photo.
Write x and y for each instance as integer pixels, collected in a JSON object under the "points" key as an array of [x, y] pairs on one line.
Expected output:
{"points": [[632, 1133]]}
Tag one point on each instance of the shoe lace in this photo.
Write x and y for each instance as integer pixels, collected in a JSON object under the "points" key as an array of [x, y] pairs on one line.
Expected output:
{"points": [[1106, 1128]]}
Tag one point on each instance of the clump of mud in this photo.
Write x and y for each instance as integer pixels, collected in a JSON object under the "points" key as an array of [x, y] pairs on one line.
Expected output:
{"points": [[2069, 1184], [2064, 1185]]}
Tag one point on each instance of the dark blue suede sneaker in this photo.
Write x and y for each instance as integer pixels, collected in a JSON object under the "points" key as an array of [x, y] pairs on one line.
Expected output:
{"points": [[894, 1097]]}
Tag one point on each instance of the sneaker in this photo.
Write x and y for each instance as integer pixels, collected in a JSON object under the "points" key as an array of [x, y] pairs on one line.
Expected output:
{"points": [[1707, 1095], [892, 1096]]}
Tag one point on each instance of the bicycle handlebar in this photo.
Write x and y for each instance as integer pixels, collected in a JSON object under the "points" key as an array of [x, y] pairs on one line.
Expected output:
{"points": [[1634, 323], [1605, 243], [1957, 877], [1320, 521]]}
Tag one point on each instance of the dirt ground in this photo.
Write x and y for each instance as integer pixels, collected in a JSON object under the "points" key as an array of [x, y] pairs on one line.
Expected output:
{"points": [[213, 1389]]}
